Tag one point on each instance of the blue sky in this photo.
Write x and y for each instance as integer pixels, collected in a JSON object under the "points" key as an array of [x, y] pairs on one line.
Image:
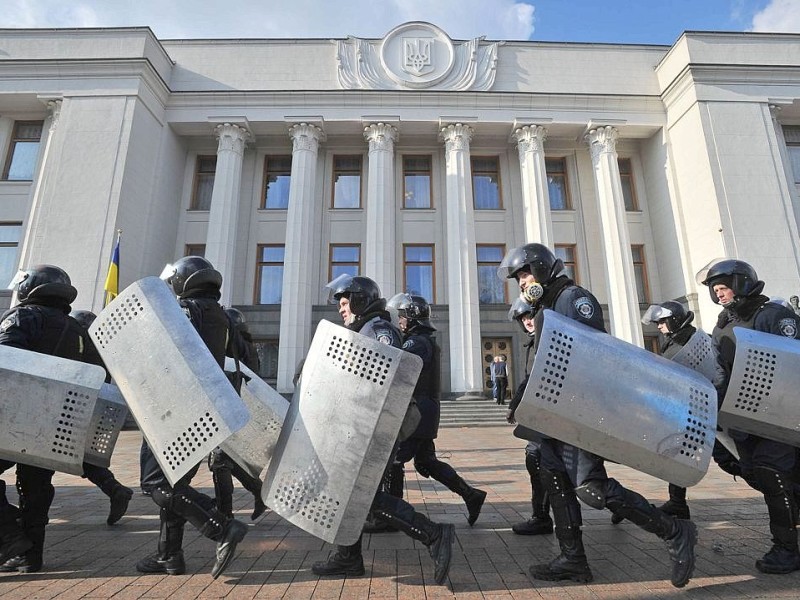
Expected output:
{"points": [[614, 21]]}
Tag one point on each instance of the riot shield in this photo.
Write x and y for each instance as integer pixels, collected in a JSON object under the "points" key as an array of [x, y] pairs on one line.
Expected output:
{"points": [[620, 401], [108, 418], [700, 355], [176, 391], [762, 395], [46, 408], [252, 446], [339, 432]]}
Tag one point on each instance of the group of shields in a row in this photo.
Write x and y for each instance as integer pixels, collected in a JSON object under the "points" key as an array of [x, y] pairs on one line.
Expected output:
{"points": [[322, 455]]}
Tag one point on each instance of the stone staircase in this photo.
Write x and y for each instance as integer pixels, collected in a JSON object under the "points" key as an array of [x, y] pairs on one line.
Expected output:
{"points": [[472, 413]]}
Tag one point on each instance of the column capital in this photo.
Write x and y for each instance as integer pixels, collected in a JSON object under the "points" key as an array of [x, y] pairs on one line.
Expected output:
{"points": [[381, 136], [602, 140], [456, 136], [231, 137], [54, 110], [530, 138], [305, 136]]}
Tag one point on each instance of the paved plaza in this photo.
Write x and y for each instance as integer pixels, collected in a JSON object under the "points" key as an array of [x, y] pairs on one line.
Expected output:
{"points": [[85, 558]]}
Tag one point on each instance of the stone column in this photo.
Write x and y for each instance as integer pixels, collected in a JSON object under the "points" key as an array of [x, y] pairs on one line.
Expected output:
{"points": [[297, 295], [535, 195], [462, 267], [224, 213], [379, 257], [622, 301]]}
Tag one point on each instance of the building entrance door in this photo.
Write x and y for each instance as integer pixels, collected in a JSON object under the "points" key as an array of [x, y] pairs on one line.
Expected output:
{"points": [[496, 347]]}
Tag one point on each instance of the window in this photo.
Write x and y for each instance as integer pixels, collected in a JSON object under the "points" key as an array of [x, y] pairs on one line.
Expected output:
{"points": [[194, 250], [486, 182], [267, 351], [640, 273], [10, 234], [344, 259], [792, 136], [628, 189], [204, 170], [490, 289], [269, 274], [566, 252], [556, 169], [418, 271], [346, 182], [277, 176], [24, 151], [416, 182], [651, 343]]}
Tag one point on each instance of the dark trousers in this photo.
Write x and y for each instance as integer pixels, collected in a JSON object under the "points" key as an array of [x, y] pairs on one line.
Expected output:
{"points": [[423, 451], [36, 492]]}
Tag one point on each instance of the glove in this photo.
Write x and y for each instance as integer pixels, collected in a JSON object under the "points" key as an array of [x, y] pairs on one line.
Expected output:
{"points": [[510, 417]]}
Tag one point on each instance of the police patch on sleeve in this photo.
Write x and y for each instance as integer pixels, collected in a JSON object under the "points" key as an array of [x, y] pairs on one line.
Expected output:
{"points": [[8, 322], [584, 307], [408, 344], [384, 338], [786, 326]]}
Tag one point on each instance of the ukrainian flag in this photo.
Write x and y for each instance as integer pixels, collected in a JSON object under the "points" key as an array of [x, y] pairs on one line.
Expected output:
{"points": [[111, 286]]}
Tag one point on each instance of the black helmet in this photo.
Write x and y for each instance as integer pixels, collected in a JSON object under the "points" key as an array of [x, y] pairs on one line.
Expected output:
{"points": [[362, 292], [539, 259], [84, 317], [192, 273], [44, 281], [520, 308], [675, 313], [414, 308], [738, 275], [237, 319]]}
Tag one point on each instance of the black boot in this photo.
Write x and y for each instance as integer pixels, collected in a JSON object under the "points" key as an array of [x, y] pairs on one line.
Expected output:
{"points": [[676, 505], [680, 535], [346, 561], [233, 533], [571, 564], [13, 541], [540, 522], [120, 498], [29, 561], [252, 485], [474, 499], [778, 494], [169, 558]]}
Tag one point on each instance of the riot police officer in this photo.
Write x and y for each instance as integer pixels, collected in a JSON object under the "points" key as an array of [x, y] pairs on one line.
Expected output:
{"points": [[197, 285], [570, 473], [540, 522], [119, 495], [414, 314], [766, 465], [40, 323], [223, 467], [363, 310]]}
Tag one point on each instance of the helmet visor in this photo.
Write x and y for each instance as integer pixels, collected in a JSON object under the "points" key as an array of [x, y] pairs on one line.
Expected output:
{"points": [[512, 262], [702, 275], [168, 273], [656, 313], [336, 287], [18, 278]]}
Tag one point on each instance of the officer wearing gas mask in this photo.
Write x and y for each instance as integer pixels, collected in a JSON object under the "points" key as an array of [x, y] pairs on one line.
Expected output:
{"points": [[766, 465], [363, 310], [197, 285], [568, 472], [39, 323]]}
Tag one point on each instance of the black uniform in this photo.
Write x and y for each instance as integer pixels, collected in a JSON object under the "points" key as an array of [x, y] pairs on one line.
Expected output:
{"points": [[420, 446], [41, 326]]}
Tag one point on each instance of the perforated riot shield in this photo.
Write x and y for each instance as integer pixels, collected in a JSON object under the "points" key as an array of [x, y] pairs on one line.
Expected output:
{"points": [[176, 391], [619, 401], [46, 408], [700, 355], [252, 446], [763, 389], [339, 432], [108, 418]]}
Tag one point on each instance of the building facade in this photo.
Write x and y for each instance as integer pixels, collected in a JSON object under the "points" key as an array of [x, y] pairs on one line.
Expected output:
{"points": [[415, 159]]}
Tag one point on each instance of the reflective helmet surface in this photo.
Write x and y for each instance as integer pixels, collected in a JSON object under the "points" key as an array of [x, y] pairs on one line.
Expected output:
{"points": [[361, 291], [738, 275], [192, 273], [520, 308], [84, 317], [539, 260], [237, 318], [676, 315], [44, 281], [414, 308]]}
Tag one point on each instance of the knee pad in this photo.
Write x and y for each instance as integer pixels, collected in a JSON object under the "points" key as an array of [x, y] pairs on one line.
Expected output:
{"points": [[164, 498], [422, 466], [592, 493], [532, 464]]}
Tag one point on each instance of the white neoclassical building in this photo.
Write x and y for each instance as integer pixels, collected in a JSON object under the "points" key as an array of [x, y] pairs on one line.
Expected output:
{"points": [[415, 159]]}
